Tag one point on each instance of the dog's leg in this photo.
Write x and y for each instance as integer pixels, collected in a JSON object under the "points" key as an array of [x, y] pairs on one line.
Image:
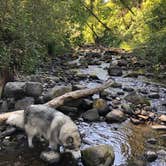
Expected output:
{"points": [[30, 138], [31, 132], [53, 145]]}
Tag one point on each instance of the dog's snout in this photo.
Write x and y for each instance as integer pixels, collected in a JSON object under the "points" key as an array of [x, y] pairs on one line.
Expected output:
{"points": [[76, 153]]}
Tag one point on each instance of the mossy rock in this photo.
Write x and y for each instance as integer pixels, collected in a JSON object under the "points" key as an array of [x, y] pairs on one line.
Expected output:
{"points": [[99, 155]]}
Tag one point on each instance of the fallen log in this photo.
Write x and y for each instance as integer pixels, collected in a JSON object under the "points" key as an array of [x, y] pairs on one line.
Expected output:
{"points": [[4, 116], [59, 101]]}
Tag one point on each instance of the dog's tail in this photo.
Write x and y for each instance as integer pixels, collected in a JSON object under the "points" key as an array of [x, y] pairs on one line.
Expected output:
{"points": [[16, 120]]}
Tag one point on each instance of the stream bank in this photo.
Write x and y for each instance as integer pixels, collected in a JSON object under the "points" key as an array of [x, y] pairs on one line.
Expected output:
{"points": [[138, 98]]}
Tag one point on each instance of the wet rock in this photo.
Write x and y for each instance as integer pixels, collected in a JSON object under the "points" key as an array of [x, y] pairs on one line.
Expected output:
{"points": [[67, 109], [100, 155], [161, 153], [163, 103], [86, 104], [112, 96], [116, 102], [3, 106], [122, 63], [136, 99], [115, 71], [154, 96], [143, 91], [93, 54], [104, 94], [6, 142], [34, 89], [91, 115], [23, 103], [162, 118], [152, 141], [35, 78], [11, 103], [15, 89], [57, 91], [127, 109], [110, 52], [151, 156], [116, 85], [135, 162], [8, 132], [132, 74], [101, 105], [81, 75], [147, 108], [135, 121], [120, 93], [74, 103], [115, 116], [144, 112], [128, 89], [149, 75], [78, 87], [152, 115], [93, 77], [50, 157], [39, 100]]}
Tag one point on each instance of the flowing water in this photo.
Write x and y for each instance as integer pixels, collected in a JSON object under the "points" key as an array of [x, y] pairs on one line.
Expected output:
{"points": [[128, 141]]}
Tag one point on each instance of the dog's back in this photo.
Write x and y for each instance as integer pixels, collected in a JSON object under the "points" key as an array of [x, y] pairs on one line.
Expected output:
{"points": [[37, 119]]}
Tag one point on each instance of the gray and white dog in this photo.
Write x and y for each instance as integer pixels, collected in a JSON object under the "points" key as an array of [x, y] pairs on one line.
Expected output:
{"points": [[54, 126]]}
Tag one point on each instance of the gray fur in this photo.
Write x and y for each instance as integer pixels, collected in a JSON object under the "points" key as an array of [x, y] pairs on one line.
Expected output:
{"points": [[54, 126]]}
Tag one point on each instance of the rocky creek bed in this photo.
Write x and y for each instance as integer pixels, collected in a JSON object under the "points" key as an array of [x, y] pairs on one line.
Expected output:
{"points": [[120, 116]]}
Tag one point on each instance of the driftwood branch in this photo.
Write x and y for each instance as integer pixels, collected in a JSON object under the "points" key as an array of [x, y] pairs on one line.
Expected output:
{"points": [[4, 116], [58, 101]]}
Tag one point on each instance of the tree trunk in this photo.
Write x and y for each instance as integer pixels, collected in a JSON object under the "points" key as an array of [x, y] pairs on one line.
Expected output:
{"points": [[93, 14]]}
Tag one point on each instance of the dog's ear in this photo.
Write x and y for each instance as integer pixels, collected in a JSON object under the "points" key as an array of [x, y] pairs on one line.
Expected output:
{"points": [[69, 140]]}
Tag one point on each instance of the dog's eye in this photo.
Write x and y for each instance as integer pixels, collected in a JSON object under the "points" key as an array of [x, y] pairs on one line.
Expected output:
{"points": [[69, 140]]}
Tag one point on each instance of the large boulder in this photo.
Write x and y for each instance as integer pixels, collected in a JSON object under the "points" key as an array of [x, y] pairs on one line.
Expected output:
{"points": [[99, 155], [91, 115], [23, 103], [115, 116], [14, 89], [34, 89], [115, 71]]}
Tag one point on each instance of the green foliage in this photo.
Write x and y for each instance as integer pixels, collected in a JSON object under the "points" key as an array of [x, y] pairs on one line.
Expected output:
{"points": [[147, 32], [26, 29], [31, 31]]}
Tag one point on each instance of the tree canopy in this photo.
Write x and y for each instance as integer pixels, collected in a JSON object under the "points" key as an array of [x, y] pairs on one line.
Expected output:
{"points": [[31, 31]]}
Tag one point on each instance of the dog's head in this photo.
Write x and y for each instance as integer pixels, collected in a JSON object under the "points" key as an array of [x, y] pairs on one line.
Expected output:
{"points": [[70, 139]]}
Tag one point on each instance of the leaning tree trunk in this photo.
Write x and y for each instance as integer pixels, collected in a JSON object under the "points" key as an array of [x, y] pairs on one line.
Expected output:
{"points": [[58, 101]]}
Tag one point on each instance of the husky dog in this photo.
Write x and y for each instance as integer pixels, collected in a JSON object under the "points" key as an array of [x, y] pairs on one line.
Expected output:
{"points": [[53, 125]]}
